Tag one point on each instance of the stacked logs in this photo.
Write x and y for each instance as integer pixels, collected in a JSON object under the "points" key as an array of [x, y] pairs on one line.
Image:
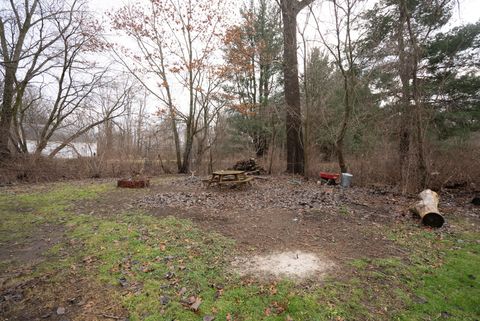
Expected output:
{"points": [[250, 166]]}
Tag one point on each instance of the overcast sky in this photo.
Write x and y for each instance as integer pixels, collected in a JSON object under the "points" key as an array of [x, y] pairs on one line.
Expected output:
{"points": [[468, 11]]}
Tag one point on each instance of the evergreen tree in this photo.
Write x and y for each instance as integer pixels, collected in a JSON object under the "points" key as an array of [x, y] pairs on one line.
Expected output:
{"points": [[453, 83], [398, 33], [252, 53]]}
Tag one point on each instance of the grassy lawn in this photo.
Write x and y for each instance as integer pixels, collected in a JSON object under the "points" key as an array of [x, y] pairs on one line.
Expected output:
{"points": [[168, 269]]}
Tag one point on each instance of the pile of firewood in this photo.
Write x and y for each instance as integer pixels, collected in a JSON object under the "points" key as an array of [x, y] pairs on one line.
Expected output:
{"points": [[250, 166]]}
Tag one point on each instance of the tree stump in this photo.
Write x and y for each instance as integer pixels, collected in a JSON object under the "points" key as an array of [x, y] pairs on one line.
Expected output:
{"points": [[427, 209]]}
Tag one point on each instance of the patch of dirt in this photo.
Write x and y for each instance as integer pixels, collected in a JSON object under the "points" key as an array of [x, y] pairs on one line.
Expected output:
{"points": [[281, 214], [74, 297], [116, 201], [31, 250], [294, 265], [284, 214], [66, 295], [282, 196]]}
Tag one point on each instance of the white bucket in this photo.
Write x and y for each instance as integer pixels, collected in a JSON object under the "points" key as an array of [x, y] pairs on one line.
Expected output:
{"points": [[346, 180]]}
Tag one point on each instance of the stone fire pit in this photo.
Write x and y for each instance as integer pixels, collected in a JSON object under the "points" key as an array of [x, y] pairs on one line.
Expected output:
{"points": [[133, 183]]}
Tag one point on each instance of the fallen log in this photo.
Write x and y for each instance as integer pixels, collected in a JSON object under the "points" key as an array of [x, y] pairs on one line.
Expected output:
{"points": [[427, 209], [261, 177]]}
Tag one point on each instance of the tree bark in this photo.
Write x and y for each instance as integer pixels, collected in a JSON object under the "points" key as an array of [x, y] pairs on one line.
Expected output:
{"points": [[11, 65], [427, 209], [295, 149], [419, 107], [405, 117], [186, 154], [6, 115], [347, 82]]}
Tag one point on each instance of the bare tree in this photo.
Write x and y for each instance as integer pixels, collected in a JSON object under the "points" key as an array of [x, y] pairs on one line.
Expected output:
{"points": [[17, 21], [45, 47], [343, 50], [105, 104], [177, 41]]}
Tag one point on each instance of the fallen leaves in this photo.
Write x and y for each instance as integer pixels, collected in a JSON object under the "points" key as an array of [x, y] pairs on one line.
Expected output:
{"points": [[169, 275], [60, 310], [275, 196], [164, 300], [89, 260], [280, 193], [182, 292], [274, 308], [195, 305]]}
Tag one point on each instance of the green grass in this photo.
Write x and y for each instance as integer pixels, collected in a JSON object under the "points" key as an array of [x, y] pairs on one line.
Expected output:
{"points": [[22, 213], [141, 250], [157, 258], [451, 290], [343, 210]]}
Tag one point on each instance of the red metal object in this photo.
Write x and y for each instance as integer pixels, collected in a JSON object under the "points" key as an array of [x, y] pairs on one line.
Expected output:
{"points": [[329, 176]]}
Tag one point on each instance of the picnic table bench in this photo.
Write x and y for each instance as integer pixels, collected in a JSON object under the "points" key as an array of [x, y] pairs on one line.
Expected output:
{"points": [[228, 177]]}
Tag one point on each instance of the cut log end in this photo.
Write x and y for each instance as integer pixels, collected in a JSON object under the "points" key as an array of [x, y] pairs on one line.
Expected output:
{"points": [[427, 209], [433, 220]]}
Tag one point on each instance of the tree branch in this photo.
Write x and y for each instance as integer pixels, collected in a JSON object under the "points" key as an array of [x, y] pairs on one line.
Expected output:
{"points": [[302, 4]]}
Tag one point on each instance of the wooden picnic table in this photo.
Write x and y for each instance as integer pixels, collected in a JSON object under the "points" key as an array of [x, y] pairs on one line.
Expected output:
{"points": [[229, 176]]}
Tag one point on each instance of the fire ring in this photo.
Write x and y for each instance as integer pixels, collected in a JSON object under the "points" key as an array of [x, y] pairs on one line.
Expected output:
{"points": [[133, 183]]}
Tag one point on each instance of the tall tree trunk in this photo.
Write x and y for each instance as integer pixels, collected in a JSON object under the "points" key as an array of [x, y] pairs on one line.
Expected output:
{"points": [[306, 92], [18, 131], [411, 131], [108, 152], [421, 158], [187, 152], [421, 161], [176, 138], [201, 142], [6, 114], [191, 128], [210, 161], [171, 110], [295, 151], [405, 117], [10, 61], [347, 85]]}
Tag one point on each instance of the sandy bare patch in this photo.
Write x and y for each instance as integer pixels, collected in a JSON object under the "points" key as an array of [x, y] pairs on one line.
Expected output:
{"points": [[292, 264]]}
